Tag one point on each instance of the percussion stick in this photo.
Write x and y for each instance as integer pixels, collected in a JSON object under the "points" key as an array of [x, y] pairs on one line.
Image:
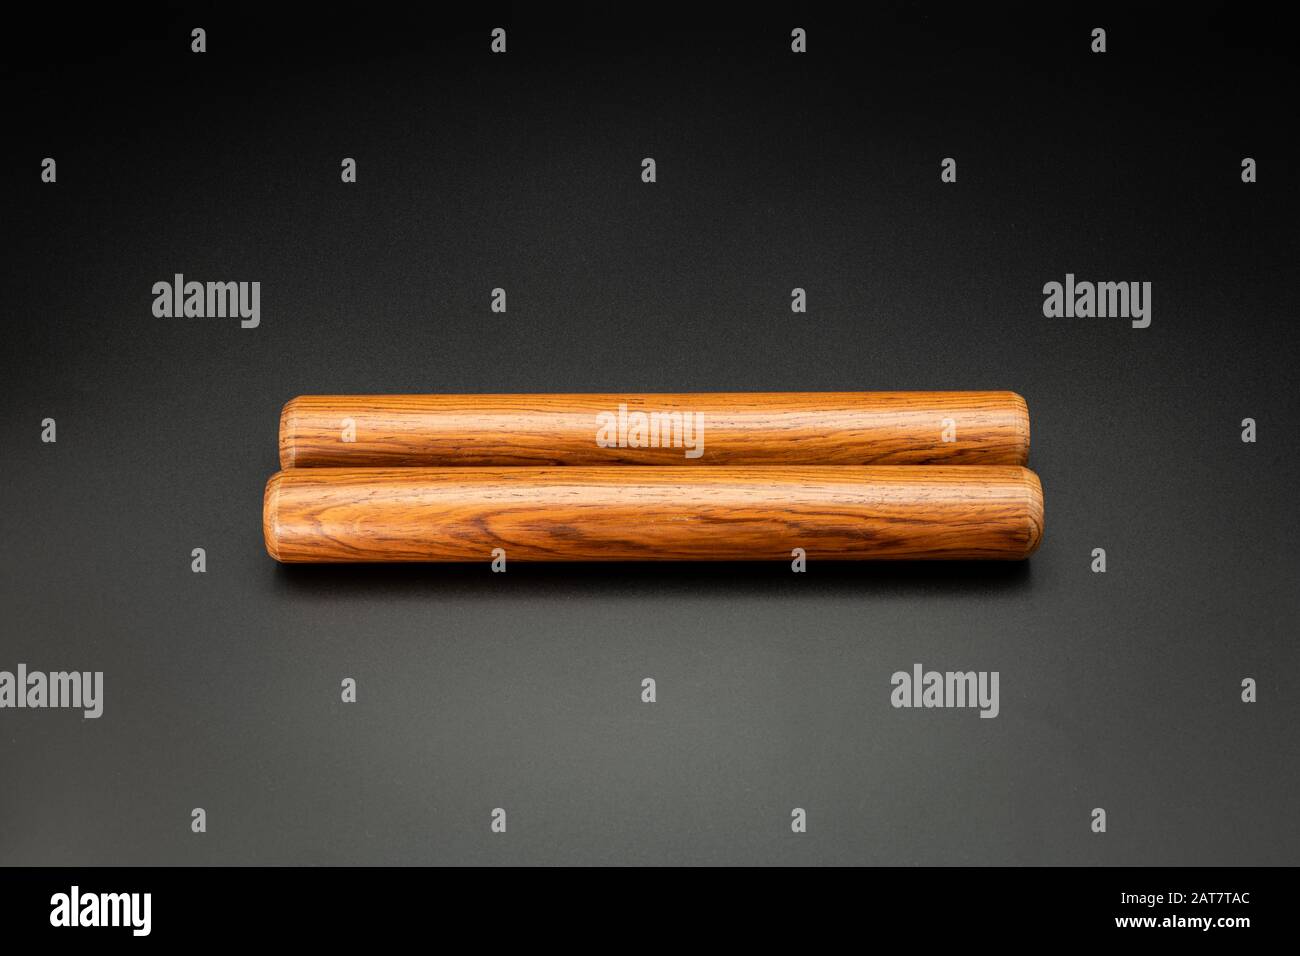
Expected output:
{"points": [[706, 428], [652, 513]]}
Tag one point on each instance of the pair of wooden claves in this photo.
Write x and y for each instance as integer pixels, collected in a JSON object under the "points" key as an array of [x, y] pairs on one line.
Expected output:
{"points": [[665, 477]]}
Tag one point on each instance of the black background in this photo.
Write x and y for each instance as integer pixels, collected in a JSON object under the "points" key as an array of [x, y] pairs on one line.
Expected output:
{"points": [[522, 171]]}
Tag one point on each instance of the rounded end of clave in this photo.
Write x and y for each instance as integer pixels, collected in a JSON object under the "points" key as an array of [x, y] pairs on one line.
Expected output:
{"points": [[1033, 511], [271, 516], [1020, 414], [288, 436]]}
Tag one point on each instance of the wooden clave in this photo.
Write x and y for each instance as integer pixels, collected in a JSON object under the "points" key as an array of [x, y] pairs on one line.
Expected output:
{"points": [[706, 428], [652, 513]]}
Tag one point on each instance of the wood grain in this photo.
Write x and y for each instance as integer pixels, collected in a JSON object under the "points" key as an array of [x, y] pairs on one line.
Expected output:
{"points": [[740, 428], [652, 513]]}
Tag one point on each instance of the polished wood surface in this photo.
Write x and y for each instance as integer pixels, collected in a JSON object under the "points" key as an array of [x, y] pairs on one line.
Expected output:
{"points": [[739, 428], [652, 513]]}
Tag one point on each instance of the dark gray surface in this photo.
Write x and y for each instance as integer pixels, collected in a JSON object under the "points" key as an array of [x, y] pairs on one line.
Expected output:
{"points": [[522, 690]]}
